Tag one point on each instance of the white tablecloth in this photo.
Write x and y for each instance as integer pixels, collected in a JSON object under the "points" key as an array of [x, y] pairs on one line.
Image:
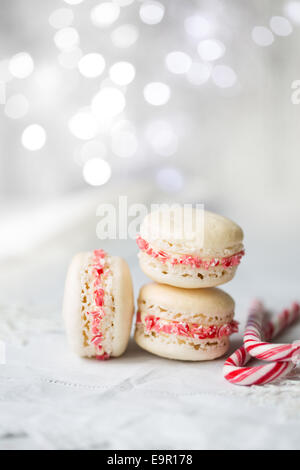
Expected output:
{"points": [[50, 399]]}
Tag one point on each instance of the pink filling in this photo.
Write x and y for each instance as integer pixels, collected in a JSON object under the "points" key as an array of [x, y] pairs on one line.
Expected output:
{"points": [[100, 271], [190, 330], [189, 260]]}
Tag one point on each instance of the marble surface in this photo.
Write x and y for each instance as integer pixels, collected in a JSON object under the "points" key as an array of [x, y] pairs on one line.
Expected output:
{"points": [[50, 399]]}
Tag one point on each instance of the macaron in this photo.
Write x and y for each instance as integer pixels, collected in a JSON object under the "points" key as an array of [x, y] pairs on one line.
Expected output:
{"points": [[189, 248], [184, 324], [98, 305]]}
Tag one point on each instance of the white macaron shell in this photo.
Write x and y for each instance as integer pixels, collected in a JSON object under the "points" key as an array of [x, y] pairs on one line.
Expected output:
{"points": [[210, 306], [203, 234], [170, 348]]}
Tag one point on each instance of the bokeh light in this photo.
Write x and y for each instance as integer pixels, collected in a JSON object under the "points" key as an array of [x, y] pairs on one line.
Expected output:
{"points": [[199, 73], [169, 180], [125, 36], [21, 65], [211, 49], [223, 76], [69, 59], [162, 138], [157, 93], [292, 10], [281, 26], [108, 102], [152, 12], [134, 61], [34, 137], [96, 171], [197, 26], [91, 65], [262, 36], [105, 14], [83, 125], [178, 62], [61, 18], [66, 38], [122, 73], [16, 106]]}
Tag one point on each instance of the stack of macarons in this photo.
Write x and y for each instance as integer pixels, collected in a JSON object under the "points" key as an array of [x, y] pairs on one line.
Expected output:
{"points": [[182, 315]]}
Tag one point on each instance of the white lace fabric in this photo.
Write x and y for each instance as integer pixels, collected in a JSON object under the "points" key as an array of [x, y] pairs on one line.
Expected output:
{"points": [[50, 399]]}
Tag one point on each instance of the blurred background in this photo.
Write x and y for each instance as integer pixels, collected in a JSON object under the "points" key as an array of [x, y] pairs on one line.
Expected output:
{"points": [[161, 101]]}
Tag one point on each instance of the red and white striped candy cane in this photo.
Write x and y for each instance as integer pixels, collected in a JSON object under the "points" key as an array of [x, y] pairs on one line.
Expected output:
{"points": [[236, 374], [234, 370], [256, 332]]}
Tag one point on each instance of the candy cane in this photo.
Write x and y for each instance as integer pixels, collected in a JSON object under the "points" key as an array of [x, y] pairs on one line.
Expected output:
{"points": [[255, 331], [234, 371]]}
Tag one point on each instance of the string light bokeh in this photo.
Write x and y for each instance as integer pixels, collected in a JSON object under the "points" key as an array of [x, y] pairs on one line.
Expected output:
{"points": [[179, 96]]}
